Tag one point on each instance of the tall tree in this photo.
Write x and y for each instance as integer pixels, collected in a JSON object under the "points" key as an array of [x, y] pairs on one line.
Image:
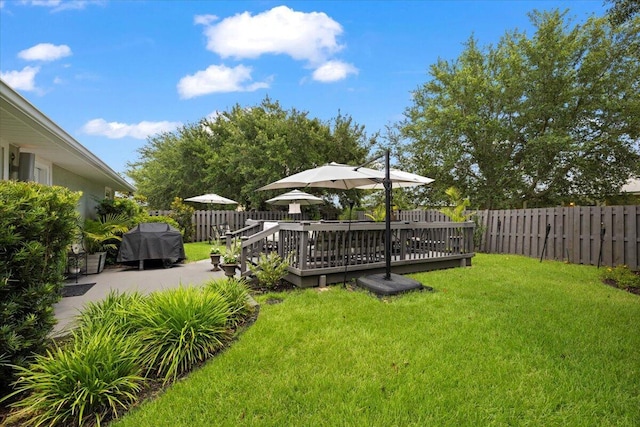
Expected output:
{"points": [[534, 121], [622, 10], [241, 150]]}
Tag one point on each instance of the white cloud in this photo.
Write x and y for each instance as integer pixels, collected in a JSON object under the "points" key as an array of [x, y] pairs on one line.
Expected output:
{"points": [[115, 130], [219, 78], [21, 80], [303, 36], [204, 19], [333, 71], [45, 3], [45, 52], [59, 5]]}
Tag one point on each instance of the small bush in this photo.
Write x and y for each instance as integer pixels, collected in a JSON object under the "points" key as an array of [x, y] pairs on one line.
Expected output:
{"points": [[236, 293], [621, 276], [270, 269], [89, 380], [179, 328]]}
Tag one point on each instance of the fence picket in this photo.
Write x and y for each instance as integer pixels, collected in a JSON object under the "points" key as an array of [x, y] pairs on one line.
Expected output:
{"points": [[574, 235]]}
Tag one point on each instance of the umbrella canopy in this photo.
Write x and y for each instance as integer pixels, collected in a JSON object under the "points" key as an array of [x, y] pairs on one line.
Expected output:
{"points": [[297, 197], [211, 198], [631, 187], [399, 179], [334, 175]]}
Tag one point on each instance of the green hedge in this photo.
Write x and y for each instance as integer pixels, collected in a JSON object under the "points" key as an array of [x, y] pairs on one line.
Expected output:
{"points": [[37, 224]]}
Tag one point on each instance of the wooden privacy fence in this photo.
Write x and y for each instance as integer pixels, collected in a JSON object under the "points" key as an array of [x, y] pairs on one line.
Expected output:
{"points": [[576, 234], [204, 221], [415, 215]]}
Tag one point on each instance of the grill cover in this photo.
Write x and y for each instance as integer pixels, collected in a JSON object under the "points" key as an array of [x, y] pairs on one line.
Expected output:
{"points": [[151, 240]]}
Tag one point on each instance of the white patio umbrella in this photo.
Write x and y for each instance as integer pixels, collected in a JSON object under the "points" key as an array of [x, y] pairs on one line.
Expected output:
{"points": [[296, 196], [340, 176], [332, 175], [211, 198], [295, 199], [631, 187], [397, 177]]}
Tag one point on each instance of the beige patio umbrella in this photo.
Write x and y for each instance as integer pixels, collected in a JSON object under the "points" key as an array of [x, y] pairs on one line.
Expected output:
{"points": [[295, 199], [296, 196], [397, 177], [211, 198], [340, 176], [631, 187]]}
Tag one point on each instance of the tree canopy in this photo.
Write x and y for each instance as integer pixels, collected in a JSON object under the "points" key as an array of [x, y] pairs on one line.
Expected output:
{"points": [[532, 121], [241, 150], [623, 10]]}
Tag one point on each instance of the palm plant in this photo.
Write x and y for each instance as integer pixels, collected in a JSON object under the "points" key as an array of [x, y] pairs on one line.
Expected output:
{"points": [[102, 234], [457, 212]]}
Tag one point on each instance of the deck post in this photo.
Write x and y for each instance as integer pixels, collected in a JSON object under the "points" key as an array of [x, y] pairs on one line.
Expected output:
{"points": [[304, 245]]}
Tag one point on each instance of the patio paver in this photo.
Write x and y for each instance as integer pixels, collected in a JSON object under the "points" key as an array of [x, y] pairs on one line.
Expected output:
{"points": [[130, 279]]}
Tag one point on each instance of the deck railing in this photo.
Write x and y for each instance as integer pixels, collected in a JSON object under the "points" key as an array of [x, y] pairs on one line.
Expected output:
{"points": [[333, 246]]}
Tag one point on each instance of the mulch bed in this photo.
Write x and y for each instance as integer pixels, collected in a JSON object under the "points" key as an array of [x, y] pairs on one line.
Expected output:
{"points": [[281, 286], [614, 284]]}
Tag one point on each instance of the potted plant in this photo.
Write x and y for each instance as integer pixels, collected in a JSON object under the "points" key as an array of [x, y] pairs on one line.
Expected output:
{"points": [[100, 235], [215, 254], [230, 260]]}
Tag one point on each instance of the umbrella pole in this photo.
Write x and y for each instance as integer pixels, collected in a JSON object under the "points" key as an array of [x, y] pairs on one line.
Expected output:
{"points": [[387, 197]]}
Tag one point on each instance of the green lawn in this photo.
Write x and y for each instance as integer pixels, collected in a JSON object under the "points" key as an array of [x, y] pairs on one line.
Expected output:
{"points": [[509, 341], [197, 251]]}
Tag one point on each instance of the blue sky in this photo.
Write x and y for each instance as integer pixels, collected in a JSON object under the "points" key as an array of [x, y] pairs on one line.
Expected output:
{"points": [[113, 72]]}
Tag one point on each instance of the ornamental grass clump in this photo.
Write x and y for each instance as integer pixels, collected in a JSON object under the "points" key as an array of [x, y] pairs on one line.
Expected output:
{"points": [[85, 382], [179, 328], [112, 312], [236, 293]]}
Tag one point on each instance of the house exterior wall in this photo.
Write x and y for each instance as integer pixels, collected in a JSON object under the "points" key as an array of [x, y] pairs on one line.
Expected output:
{"points": [[92, 192]]}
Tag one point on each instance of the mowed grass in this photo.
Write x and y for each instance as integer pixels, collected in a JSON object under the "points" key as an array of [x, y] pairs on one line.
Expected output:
{"points": [[509, 341], [197, 251]]}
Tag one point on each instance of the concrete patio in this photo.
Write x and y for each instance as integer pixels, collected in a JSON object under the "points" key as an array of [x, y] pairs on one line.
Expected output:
{"points": [[130, 279]]}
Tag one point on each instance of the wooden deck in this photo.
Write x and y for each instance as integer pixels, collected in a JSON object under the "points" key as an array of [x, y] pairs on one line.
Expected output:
{"points": [[332, 252]]}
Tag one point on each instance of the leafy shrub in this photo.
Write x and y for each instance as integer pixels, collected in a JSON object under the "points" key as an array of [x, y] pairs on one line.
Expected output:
{"points": [[145, 217], [478, 233], [183, 215], [179, 328], [83, 383], [270, 269], [119, 206], [37, 225], [621, 276], [236, 293]]}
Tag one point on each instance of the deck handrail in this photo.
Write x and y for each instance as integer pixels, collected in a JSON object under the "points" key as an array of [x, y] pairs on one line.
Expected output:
{"points": [[333, 245]]}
